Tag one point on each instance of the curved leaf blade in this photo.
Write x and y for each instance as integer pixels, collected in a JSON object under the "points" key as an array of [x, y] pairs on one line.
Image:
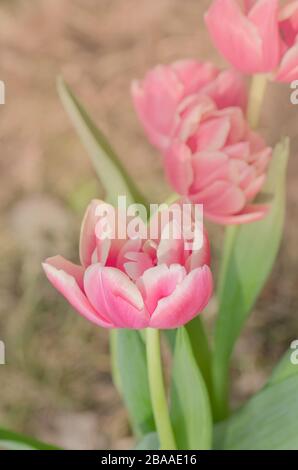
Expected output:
{"points": [[251, 254], [285, 368], [108, 167], [190, 407], [149, 442], [133, 377], [13, 441], [269, 421]]}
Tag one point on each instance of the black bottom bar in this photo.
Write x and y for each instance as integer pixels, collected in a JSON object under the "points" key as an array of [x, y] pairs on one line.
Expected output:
{"points": [[137, 459]]}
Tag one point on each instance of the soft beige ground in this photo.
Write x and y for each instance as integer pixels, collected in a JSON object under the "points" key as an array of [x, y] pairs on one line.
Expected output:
{"points": [[56, 383]]}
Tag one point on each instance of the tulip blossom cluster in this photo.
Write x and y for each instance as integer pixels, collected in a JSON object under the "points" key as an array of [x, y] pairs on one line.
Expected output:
{"points": [[133, 283], [257, 36], [147, 274], [210, 155], [194, 114]]}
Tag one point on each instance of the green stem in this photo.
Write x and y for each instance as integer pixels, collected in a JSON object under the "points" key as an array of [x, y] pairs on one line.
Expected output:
{"points": [[157, 391], [256, 98], [114, 360]]}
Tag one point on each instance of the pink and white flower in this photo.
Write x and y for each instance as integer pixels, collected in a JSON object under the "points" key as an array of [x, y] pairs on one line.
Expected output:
{"points": [[159, 96], [133, 283], [216, 160]]}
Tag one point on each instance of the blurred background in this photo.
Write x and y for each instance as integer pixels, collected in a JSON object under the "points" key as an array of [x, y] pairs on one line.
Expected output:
{"points": [[56, 384]]}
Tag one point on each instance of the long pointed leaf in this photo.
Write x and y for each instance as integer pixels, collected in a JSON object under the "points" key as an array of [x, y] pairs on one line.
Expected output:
{"points": [[132, 368], [190, 408], [109, 169], [250, 259], [149, 442], [13, 441], [269, 421], [285, 368]]}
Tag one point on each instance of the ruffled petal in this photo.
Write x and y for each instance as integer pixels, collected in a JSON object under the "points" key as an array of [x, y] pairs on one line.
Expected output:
{"points": [[212, 134], [89, 243], [160, 90], [235, 36], [194, 75], [70, 268], [188, 299], [228, 89], [178, 167], [68, 287], [288, 69], [222, 198], [209, 167], [111, 291], [264, 15], [159, 282], [250, 213]]}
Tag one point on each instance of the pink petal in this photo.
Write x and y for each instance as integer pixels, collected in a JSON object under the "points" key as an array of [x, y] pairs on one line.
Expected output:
{"points": [[249, 214], [256, 141], [248, 4], [235, 36], [212, 134], [192, 111], [288, 70], [238, 170], [188, 299], [238, 124], [222, 198], [194, 75], [228, 89], [200, 257], [239, 150], [160, 90], [70, 268], [254, 188], [124, 253], [288, 10], [246, 176], [261, 160], [68, 287], [138, 264], [88, 240], [178, 167], [264, 16], [111, 291], [288, 24], [170, 251], [209, 167], [159, 282]]}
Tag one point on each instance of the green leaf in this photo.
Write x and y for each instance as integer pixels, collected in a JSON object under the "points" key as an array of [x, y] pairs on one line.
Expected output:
{"points": [[250, 252], [286, 367], [108, 167], [269, 421], [12, 441], [149, 442], [132, 367], [200, 347], [170, 336], [190, 408]]}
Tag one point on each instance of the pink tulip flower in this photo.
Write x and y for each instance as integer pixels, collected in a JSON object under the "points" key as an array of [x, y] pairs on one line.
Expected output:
{"points": [[216, 160], [133, 283], [159, 96], [257, 36]]}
